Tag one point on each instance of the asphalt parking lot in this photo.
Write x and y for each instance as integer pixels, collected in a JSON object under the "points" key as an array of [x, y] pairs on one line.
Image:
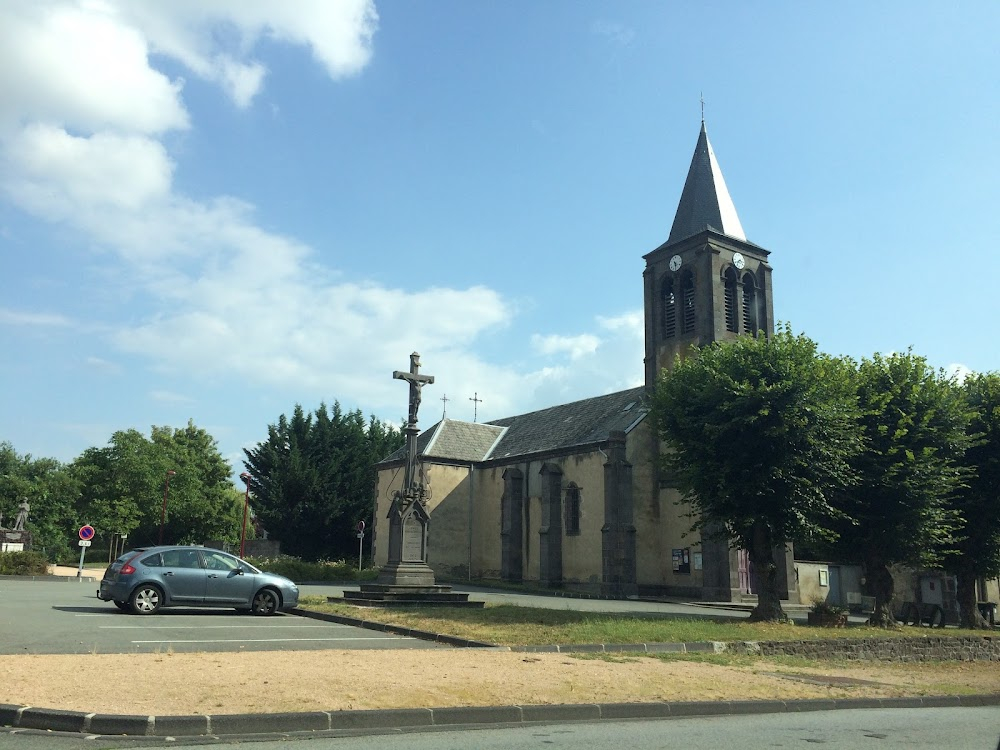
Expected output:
{"points": [[66, 617]]}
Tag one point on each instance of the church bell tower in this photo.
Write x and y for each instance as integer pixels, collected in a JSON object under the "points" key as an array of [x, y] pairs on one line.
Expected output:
{"points": [[706, 282]]}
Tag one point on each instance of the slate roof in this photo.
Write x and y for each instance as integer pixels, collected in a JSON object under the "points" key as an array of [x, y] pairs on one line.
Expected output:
{"points": [[705, 202], [453, 440], [568, 425], [557, 428]]}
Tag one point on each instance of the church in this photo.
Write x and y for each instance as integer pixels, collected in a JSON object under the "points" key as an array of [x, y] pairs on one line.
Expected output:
{"points": [[572, 497]]}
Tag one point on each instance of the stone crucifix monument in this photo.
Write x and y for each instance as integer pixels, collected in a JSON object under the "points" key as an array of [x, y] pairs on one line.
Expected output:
{"points": [[406, 578], [407, 563]]}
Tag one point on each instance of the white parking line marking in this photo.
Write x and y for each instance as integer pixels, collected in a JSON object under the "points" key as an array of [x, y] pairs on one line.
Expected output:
{"points": [[286, 640], [215, 627]]}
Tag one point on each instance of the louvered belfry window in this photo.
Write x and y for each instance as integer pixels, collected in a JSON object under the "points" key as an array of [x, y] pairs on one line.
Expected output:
{"points": [[687, 301], [669, 299], [732, 314], [750, 323]]}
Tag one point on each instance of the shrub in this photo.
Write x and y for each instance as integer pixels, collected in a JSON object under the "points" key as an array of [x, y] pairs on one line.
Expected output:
{"points": [[23, 564], [301, 571], [823, 607]]}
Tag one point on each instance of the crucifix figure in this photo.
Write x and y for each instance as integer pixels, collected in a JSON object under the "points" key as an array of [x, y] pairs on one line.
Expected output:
{"points": [[416, 381]]}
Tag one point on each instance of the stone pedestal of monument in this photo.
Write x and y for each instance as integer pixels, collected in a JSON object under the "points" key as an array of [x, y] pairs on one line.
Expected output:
{"points": [[407, 579]]}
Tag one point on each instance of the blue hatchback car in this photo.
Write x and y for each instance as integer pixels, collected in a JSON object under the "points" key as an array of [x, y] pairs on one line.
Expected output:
{"points": [[144, 580]]}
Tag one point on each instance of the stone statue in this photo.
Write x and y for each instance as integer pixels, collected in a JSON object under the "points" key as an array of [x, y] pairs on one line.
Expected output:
{"points": [[22, 515], [417, 382]]}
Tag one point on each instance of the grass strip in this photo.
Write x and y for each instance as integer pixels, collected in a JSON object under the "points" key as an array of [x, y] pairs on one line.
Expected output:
{"points": [[510, 625]]}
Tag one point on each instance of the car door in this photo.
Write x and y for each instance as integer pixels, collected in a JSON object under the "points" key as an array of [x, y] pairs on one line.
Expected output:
{"points": [[227, 583], [183, 576]]}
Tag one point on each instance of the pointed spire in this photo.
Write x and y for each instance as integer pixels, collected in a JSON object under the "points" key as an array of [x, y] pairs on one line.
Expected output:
{"points": [[705, 201]]}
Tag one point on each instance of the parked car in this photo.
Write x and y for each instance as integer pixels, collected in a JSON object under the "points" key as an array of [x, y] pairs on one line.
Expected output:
{"points": [[143, 580]]}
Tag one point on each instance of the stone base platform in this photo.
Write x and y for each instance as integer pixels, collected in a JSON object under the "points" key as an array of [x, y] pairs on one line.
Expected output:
{"points": [[387, 595]]}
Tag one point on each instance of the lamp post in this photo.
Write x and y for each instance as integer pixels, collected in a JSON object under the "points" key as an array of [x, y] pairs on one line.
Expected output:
{"points": [[163, 510], [246, 504]]}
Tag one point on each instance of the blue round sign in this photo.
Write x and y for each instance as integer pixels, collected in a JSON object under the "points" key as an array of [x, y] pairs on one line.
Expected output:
{"points": [[86, 533]]}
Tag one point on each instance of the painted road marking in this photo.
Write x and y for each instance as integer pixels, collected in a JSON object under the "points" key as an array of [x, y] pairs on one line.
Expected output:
{"points": [[213, 627], [289, 640]]}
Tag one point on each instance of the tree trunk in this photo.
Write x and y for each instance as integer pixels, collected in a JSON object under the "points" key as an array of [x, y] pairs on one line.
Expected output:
{"points": [[880, 584], [967, 600], [768, 607]]}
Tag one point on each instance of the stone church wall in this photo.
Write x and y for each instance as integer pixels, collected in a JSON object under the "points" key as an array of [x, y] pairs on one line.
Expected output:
{"points": [[660, 525], [450, 508]]}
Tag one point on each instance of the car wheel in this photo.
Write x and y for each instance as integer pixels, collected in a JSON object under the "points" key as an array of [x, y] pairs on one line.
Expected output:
{"points": [[120, 604], [265, 602], [145, 600]]}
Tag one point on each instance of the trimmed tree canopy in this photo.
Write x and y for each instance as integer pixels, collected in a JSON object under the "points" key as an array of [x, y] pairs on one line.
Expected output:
{"points": [[759, 433]]}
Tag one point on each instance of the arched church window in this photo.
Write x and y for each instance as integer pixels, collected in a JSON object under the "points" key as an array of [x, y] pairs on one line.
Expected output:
{"points": [[669, 301], [732, 313], [687, 302], [572, 509], [750, 320]]}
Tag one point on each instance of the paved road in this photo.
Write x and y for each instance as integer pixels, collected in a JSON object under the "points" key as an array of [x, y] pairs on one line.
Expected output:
{"points": [[913, 729], [51, 617]]}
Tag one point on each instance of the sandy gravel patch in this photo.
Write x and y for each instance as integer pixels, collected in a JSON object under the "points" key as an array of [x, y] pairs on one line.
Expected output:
{"points": [[335, 680]]}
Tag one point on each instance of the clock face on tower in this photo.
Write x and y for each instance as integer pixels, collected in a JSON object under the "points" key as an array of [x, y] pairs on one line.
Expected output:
{"points": [[739, 261], [675, 262]]}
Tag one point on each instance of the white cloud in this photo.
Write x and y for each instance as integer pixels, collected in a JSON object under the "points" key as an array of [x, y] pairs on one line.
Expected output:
{"points": [[79, 66], [339, 35], [574, 346], [81, 119], [103, 366], [56, 175], [20, 318], [630, 324]]}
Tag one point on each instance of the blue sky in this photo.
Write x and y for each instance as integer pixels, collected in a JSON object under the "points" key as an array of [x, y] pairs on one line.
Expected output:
{"points": [[214, 211]]}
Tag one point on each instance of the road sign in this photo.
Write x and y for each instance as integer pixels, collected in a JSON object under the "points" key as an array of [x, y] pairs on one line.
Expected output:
{"points": [[84, 542], [361, 525], [86, 533]]}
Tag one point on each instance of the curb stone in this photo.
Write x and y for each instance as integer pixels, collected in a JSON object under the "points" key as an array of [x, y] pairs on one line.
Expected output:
{"points": [[14, 718]]}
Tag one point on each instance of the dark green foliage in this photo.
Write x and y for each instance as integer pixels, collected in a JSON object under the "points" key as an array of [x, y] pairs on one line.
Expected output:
{"points": [[976, 547], [52, 493], [123, 487], [915, 422], [759, 434], [313, 479], [23, 564], [302, 571]]}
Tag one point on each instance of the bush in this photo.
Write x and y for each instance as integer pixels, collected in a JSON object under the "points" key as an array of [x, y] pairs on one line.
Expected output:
{"points": [[823, 607], [23, 564], [301, 571]]}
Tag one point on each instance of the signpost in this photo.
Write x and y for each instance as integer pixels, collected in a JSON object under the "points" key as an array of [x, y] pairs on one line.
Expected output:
{"points": [[361, 542], [86, 537]]}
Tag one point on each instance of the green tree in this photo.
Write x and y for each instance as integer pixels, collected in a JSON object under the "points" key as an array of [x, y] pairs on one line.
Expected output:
{"points": [[758, 434], [975, 550], [124, 483], [915, 421], [203, 503], [51, 492], [313, 478]]}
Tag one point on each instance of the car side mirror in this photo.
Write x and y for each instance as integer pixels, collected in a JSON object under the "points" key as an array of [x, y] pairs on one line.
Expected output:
{"points": [[239, 571]]}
